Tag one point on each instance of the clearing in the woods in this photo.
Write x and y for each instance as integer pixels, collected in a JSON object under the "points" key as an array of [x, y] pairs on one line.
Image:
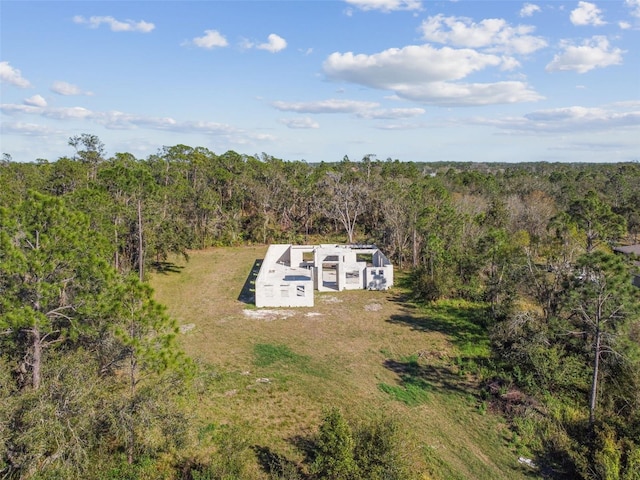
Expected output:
{"points": [[371, 353]]}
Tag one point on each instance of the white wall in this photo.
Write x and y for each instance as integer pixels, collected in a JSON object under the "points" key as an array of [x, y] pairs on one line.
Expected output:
{"points": [[285, 294]]}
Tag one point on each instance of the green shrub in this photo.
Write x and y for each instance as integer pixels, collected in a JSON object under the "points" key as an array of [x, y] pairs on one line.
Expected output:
{"points": [[377, 451], [632, 462], [334, 452], [606, 458]]}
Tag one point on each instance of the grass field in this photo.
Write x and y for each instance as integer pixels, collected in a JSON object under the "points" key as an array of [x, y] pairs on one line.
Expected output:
{"points": [[276, 371]]}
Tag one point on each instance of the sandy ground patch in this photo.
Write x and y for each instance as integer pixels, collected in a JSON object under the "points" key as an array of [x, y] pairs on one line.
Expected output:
{"points": [[373, 307], [268, 315], [331, 299]]}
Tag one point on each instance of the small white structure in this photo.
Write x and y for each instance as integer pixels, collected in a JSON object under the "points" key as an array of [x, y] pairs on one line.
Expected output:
{"points": [[290, 273]]}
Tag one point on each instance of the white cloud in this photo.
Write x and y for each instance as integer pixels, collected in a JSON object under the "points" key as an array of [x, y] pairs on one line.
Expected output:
{"points": [[566, 113], [210, 39], [386, 5], [115, 25], [274, 44], [492, 34], [300, 123], [12, 76], [28, 129], [68, 89], [624, 25], [325, 106], [400, 126], [35, 101], [509, 63], [634, 6], [425, 74], [391, 113], [575, 119], [127, 121], [246, 44], [369, 110], [593, 53], [69, 113], [528, 9], [587, 14], [470, 94], [409, 65], [12, 108]]}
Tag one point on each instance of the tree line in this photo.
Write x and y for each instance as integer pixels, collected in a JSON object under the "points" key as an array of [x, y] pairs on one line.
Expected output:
{"points": [[533, 242]]}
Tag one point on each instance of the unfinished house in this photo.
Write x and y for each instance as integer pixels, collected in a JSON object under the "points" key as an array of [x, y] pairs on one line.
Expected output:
{"points": [[290, 274]]}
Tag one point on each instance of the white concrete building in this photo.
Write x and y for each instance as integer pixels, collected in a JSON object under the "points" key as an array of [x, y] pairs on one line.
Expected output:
{"points": [[290, 273]]}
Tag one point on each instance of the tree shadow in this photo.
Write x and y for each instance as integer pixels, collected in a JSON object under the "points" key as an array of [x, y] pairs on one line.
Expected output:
{"points": [[464, 326], [248, 292], [166, 267], [277, 465], [429, 377], [306, 445]]}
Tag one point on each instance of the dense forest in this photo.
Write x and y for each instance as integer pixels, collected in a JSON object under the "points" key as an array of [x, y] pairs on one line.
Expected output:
{"points": [[92, 379]]}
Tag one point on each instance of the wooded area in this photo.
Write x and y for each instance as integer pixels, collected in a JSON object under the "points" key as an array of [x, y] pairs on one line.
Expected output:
{"points": [[92, 380]]}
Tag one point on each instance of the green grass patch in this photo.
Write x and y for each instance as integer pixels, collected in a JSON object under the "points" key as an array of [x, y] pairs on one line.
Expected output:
{"points": [[266, 354], [412, 392], [464, 323], [437, 467]]}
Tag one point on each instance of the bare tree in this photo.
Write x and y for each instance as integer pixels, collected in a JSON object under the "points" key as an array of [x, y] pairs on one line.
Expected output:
{"points": [[344, 201]]}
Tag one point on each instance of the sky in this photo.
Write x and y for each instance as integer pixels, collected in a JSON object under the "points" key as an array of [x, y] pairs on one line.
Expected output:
{"points": [[412, 80]]}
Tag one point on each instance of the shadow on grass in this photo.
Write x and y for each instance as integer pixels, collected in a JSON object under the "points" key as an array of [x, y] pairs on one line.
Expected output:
{"points": [[166, 267], [306, 445], [248, 292], [430, 377], [276, 465], [465, 324]]}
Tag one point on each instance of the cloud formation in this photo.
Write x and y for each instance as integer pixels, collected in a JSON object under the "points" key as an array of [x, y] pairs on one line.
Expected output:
{"points": [[593, 53], [275, 43], [367, 110], [115, 25], [300, 123], [35, 101], [574, 119], [414, 64], [325, 106], [68, 89], [427, 74], [12, 76], [115, 120], [634, 6], [28, 129], [586, 13], [491, 34], [386, 5], [391, 113], [528, 9], [211, 39]]}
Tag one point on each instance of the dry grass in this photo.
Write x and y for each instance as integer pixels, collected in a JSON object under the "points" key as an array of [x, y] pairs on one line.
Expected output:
{"points": [[277, 372]]}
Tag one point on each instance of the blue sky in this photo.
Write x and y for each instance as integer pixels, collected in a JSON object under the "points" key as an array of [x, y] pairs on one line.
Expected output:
{"points": [[317, 80]]}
